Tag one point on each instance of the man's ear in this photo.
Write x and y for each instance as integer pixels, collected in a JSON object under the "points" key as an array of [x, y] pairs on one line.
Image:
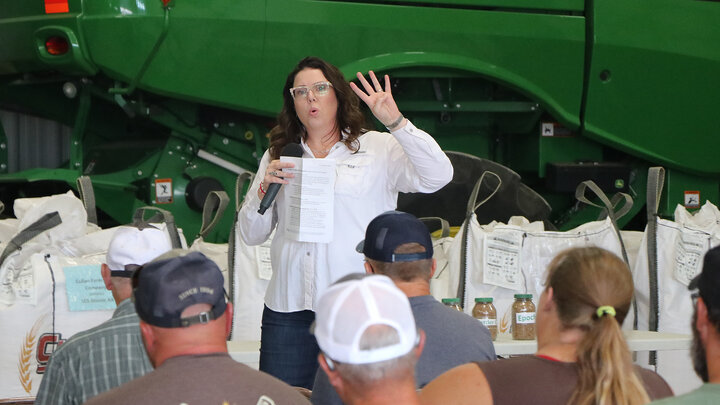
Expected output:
{"points": [[330, 369], [433, 268], [420, 344], [148, 336], [702, 323], [105, 272], [368, 268], [228, 319]]}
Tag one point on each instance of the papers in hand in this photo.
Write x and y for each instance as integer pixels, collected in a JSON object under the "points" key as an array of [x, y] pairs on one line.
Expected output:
{"points": [[310, 199]]}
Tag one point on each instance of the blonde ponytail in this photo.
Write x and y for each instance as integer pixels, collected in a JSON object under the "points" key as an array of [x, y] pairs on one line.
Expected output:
{"points": [[592, 289], [606, 373]]}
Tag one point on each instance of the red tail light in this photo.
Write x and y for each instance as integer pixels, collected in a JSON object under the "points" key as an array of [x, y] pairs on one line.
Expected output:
{"points": [[56, 6], [57, 45]]}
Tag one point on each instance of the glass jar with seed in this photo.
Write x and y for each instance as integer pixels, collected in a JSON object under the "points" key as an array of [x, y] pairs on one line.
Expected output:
{"points": [[484, 311], [523, 317], [453, 303]]}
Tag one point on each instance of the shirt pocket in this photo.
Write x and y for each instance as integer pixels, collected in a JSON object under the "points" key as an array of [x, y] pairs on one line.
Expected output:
{"points": [[353, 175]]}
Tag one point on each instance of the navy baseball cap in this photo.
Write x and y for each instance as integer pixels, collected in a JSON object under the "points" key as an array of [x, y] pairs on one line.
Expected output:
{"points": [[391, 229], [708, 281], [174, 281]]}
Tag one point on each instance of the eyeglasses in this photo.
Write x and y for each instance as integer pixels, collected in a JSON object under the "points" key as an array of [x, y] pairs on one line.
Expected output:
{"points": [[319, 89]]}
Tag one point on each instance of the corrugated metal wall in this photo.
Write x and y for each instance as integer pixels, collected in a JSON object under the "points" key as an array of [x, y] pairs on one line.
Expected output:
{"points": [[34, 142]]}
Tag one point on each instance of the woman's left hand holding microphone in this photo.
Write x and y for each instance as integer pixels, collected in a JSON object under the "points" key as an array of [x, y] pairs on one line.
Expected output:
{"points": [[275, 174]]}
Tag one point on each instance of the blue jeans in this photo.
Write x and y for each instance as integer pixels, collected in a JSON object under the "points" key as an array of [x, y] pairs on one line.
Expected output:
{"points": [[288, 350]]}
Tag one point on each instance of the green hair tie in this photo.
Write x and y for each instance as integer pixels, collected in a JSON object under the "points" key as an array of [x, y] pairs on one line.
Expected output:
{"points": [[605, 310]]}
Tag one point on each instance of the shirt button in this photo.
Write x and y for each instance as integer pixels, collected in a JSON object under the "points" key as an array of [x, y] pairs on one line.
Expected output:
{"points": [[307, 253]]}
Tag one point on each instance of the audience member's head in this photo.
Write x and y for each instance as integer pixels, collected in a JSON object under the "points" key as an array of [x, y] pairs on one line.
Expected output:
{"points": [[591, 290], [129, 249], [180, 300], [398, 245], [582, 356], [706, 318], [366, 331]]}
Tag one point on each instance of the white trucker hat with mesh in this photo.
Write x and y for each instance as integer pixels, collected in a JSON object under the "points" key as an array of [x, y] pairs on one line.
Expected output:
{"points": [[347, 309]]}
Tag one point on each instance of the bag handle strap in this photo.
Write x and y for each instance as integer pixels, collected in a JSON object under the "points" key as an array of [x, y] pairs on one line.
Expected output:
{"points": [[472, 205], [655, 183], [444, 225], [619, 210], [215, 204], [47, 221], [242, 179], [608, 206], [87, 196], [160, 216]]}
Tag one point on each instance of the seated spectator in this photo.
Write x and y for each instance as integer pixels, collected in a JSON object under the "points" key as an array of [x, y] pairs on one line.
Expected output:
{"points": [[582, 355], [399, 246], [185, 321], [368, 340], [111, 353], [706, 334]]}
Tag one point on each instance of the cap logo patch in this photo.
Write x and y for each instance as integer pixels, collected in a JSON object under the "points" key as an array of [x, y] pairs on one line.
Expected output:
{"points": [[195, 290], [187, 293]]}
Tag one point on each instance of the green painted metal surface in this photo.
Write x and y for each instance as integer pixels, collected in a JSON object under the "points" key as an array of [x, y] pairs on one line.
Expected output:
{"points": [[190, 91], [660, 61]]}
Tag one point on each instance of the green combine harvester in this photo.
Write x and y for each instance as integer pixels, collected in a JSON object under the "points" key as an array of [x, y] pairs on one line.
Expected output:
{"points": [[170, 99]]}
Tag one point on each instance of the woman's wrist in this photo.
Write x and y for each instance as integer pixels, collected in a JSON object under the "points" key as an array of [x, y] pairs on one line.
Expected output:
{"points": [[393, 125]]}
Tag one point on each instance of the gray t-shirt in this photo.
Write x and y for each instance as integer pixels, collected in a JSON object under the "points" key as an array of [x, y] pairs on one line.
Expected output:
{"points": [[452, 338], [210, 379]]}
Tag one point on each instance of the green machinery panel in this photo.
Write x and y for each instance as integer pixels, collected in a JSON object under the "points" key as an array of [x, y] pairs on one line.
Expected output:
{"points": [[188, 91]]}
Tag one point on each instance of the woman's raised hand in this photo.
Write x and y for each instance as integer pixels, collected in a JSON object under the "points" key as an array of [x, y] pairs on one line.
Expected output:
{"points": [[380, 101]]}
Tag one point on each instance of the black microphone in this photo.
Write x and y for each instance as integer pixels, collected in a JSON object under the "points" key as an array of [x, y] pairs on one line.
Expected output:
{"points": [[293, 150]]}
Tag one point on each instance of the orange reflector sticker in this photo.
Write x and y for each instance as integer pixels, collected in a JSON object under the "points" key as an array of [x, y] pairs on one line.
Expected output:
{"points": [[56, 6]]}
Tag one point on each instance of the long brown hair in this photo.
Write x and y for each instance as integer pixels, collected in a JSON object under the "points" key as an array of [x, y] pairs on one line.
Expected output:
{"points": [[350, 119], [584, 279]]}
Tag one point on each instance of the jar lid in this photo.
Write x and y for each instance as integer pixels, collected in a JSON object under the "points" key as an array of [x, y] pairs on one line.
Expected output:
{"points": [[450, 300], [484, 299], [523, 296]]}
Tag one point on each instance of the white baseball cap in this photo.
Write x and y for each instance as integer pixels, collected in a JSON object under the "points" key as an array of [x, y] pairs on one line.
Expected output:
{"points": [[133, 246], [347, 309]]}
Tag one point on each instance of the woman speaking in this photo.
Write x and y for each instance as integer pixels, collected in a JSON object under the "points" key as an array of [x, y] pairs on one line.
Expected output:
{"points": [[321, 112]]}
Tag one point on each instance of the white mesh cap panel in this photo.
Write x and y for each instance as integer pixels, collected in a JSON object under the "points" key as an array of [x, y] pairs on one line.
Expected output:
{"points": [[348, 309]]}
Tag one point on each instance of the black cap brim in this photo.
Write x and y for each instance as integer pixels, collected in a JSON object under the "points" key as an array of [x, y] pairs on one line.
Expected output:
{"points": [[694, 283], [360, 248]]}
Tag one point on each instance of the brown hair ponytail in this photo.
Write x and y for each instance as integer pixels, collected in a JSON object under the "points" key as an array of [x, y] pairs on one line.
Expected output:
{"points": [[583, 280]]}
